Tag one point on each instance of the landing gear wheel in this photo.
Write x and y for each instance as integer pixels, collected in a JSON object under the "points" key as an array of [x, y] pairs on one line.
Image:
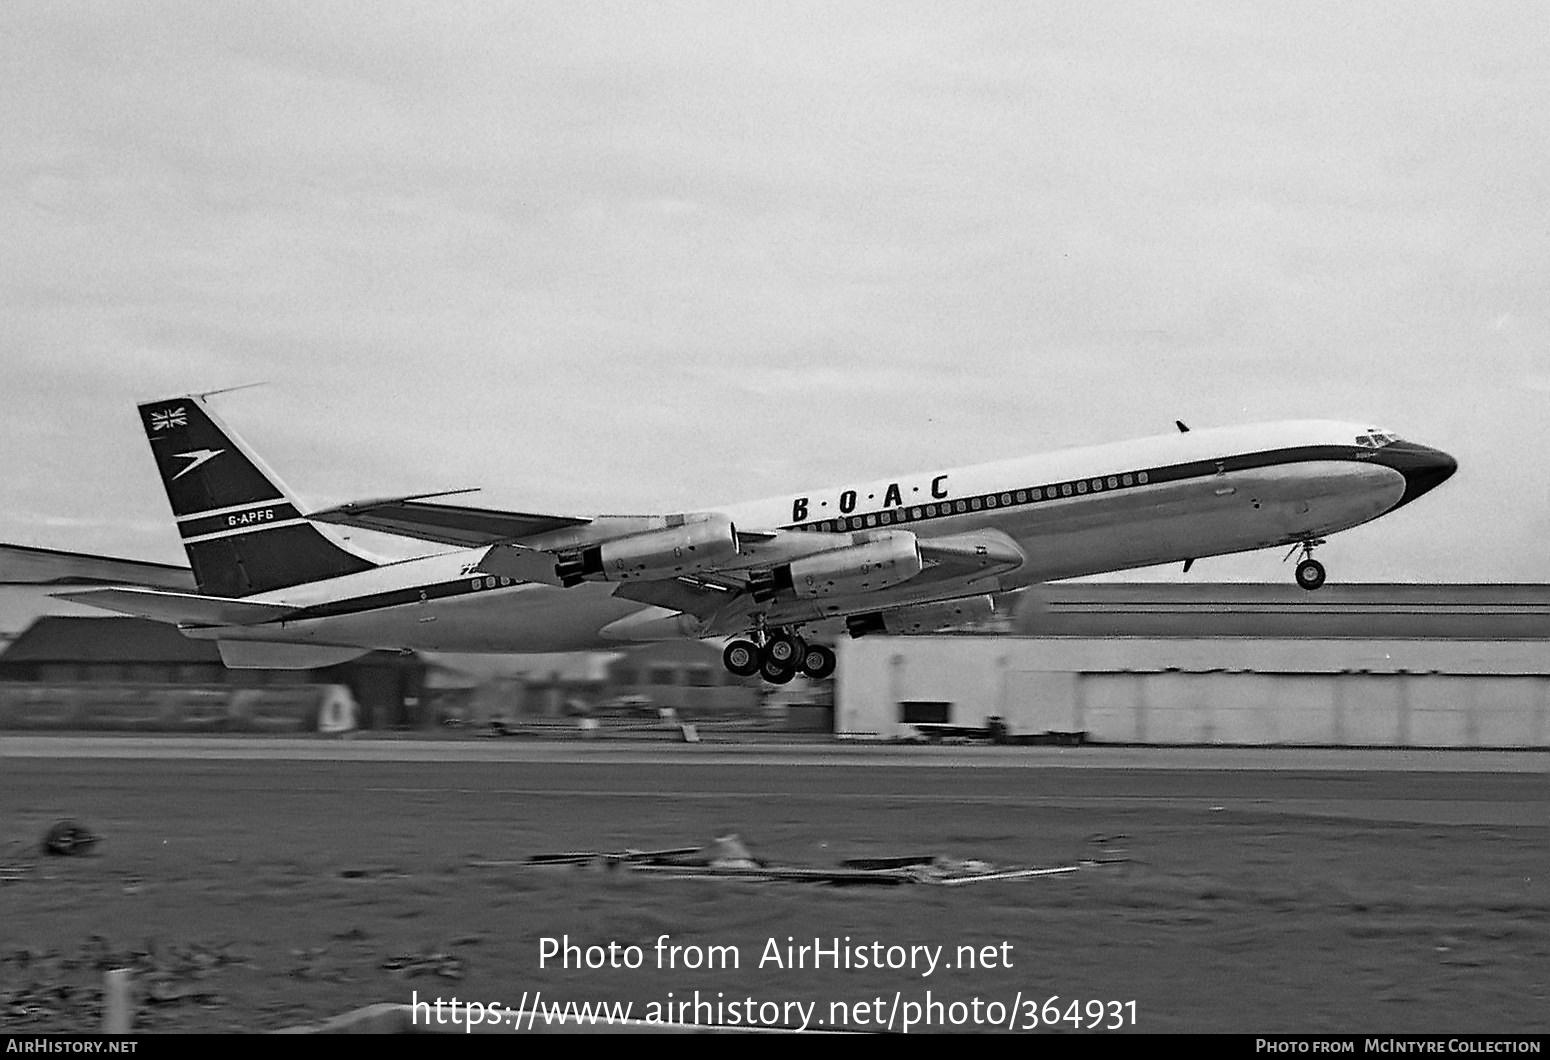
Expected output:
{"points": [[776, 674], [818, 662], [741, 657], [783, 650], [1310, 574]]}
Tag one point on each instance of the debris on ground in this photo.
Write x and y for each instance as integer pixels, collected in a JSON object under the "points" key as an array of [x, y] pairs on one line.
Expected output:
{"points": [[67, 838], [728, 858], [15, 865], [63, 991], [411, 965], [373, 874]]}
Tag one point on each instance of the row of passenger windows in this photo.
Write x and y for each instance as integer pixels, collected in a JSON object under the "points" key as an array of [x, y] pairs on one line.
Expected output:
{"points": [[974, 504]]}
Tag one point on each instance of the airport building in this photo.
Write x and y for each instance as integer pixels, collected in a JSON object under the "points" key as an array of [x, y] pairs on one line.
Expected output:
{"points": [[1181, 663], [1157, 663]]}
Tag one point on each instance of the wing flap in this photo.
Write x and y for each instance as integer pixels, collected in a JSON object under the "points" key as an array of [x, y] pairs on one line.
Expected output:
{"points": [[693, 596], [445, 524], [189, 608]]}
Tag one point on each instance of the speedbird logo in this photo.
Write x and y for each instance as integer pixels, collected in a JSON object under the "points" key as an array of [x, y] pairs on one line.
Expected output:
{"points": [[197, 457]]}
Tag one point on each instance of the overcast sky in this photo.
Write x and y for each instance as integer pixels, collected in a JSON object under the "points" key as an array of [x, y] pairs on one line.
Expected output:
{"points": [[650, 257]]}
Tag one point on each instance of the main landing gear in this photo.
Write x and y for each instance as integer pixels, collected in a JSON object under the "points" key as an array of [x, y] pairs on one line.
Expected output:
{"points": [[1310, 572], [778, 656]]}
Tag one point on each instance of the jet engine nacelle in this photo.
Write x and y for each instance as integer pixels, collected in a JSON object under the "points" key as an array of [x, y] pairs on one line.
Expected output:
{"points": [[700, 541], [886, 558], [922, 618]]}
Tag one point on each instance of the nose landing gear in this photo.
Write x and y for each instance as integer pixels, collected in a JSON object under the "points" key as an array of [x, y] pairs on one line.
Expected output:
{"points": [[1310, 572]]}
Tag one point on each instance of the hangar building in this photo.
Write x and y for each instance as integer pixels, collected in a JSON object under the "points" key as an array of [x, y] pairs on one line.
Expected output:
{"points": [[1172, 663]]}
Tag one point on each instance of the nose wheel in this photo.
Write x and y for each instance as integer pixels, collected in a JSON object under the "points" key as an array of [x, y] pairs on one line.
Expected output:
{"points": [[1310, 572]]}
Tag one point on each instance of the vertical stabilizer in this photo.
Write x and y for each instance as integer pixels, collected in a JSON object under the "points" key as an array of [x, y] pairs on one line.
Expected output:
{"points": [[240, 527]]}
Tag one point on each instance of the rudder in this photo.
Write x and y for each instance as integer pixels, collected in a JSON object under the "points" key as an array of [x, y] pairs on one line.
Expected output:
{"points": [[240, 527]]}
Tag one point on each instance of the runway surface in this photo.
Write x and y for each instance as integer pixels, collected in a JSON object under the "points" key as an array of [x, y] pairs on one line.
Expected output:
{"points": [[1444, 787], [379, 749], [1277, 889]]}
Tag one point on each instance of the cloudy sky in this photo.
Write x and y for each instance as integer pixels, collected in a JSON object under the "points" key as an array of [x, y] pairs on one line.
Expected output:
{"points": [[655, 256]]}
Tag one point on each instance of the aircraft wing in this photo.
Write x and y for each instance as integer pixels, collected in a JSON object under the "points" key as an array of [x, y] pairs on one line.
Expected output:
{"points": [[445, 524], [186, 608]]}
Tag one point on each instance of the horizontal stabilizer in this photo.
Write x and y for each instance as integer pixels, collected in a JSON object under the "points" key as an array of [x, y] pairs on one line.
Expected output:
{"points": [[267, 655], [189, 608], [21, 564], [446, 524]]}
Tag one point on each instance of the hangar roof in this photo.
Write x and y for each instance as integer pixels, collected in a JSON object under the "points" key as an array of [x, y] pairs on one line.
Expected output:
{"points": [[56, 638], [1225, 609]]}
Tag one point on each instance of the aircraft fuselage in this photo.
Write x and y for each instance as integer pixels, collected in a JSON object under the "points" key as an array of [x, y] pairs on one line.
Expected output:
{"points": [[1077, 512]]}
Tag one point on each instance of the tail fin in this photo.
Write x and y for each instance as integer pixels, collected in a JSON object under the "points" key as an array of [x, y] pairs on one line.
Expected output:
{"points": [[240, 527]]}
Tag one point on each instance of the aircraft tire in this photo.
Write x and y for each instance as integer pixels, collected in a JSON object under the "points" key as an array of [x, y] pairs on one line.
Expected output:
{"points": [[783, 650], [818, 662], [741, 657], [1310, 574], [776, 674]]}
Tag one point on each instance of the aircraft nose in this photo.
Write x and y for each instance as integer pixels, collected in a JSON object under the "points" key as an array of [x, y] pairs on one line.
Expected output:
{"points": [[1424, 468]]}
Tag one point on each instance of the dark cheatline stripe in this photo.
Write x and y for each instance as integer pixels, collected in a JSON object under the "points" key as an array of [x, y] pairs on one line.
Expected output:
{"points": [[905, 515], [1071, 489], [409, 595], [253, 517]]}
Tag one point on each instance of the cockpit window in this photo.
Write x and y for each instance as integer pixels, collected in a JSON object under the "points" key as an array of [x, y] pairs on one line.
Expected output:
{"points": [[1376, 440]]}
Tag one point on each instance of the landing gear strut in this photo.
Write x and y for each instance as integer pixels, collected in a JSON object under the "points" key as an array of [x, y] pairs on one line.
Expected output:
{"points": [[1310, 572]]}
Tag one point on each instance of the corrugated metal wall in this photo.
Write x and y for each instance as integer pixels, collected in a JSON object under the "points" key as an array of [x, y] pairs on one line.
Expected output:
{"points": [[1326, 693]]}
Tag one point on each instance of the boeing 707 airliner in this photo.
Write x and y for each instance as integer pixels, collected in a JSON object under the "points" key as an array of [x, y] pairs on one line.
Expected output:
{"points": [[281, 587]]}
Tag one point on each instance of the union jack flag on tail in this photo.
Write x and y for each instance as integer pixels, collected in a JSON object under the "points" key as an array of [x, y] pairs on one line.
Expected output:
{"points": [[169, 418]]}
